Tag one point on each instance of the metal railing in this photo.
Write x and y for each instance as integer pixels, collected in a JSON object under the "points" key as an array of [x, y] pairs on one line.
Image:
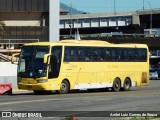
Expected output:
{"points": [[108, 35], [10, 43], [7, 47], [17, 41]]}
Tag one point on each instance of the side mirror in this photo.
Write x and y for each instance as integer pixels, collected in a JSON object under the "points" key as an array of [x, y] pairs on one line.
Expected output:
{"points": [[13, 57], [46, 56]]}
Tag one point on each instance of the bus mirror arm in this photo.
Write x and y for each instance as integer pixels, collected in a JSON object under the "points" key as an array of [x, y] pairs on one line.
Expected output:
{"points": [[13, 57], [46, 58]]}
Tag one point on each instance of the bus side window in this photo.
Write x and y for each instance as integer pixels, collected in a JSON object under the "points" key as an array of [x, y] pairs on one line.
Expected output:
{"points": [[66, 55], [107, 54], [120, 58], [102, 54], [73, 54], [133, 55], [70, 54], [114, 54], [123, 54], [88, 54], [142, 54], [81, 54], [136, 54], [95, 54]]}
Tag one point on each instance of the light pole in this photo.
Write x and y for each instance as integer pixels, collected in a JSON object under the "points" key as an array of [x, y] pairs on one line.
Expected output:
{"points": [[143, 4], [114, 7], [150, 15], [70, 18]]}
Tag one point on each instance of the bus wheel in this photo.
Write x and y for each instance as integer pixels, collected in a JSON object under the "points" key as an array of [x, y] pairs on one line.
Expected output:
{"points": [[127, 84], [64, 87], [116, 85]]}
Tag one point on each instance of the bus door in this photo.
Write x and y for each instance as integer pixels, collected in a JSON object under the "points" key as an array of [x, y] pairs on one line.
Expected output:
{"points": [[55, 62]]}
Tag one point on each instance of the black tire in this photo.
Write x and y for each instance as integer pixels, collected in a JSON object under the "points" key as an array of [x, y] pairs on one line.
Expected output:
{"points": [[127, 84], [116, 85], [64, 87]]}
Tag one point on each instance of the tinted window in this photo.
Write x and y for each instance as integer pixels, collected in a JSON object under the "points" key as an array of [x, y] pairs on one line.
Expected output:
{"points": [[97, 54], [81, 54], [114, 54], [123, 54], [132, 54], [70, 54], [108, 54], [88, 54], [142, 54]]}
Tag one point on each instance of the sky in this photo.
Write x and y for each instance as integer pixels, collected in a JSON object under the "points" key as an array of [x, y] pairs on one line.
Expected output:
{"points": [[103, 6]]}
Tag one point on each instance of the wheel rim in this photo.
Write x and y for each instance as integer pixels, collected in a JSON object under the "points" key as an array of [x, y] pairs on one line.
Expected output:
{"points": [[127, 85], [63, 87], [117, 85]]}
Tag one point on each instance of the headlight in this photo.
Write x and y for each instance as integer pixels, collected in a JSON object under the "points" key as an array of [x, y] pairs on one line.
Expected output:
{"points": [[42, 81]]}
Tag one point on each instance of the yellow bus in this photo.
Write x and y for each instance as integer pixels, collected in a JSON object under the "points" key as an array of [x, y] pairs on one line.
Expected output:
{"points": [[82, 64]]}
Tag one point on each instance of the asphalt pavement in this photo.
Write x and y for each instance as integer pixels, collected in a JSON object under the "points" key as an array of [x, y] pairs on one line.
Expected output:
{"points": [[84, 105]]}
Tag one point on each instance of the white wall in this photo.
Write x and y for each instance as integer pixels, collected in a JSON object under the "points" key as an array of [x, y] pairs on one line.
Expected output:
{"points": [[8, 69], [8, 73]]}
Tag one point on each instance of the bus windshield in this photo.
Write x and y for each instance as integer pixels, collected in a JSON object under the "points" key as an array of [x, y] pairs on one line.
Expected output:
{"points": [[31, 61]]}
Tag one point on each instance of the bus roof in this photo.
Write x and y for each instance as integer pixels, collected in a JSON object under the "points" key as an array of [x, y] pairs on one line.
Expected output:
{"points": [[70, 41], [87, 42]]}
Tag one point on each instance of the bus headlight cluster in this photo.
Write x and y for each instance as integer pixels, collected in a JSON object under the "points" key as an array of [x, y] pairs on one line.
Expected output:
{"points": [[42, 81]]}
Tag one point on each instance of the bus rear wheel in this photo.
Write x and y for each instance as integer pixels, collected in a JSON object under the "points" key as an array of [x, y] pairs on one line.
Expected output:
{"points": [[116, 85], [64, 88], [127, 84]]}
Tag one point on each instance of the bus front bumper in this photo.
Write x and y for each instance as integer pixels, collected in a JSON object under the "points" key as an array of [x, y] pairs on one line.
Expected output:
{"points": [[38, 86]]}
